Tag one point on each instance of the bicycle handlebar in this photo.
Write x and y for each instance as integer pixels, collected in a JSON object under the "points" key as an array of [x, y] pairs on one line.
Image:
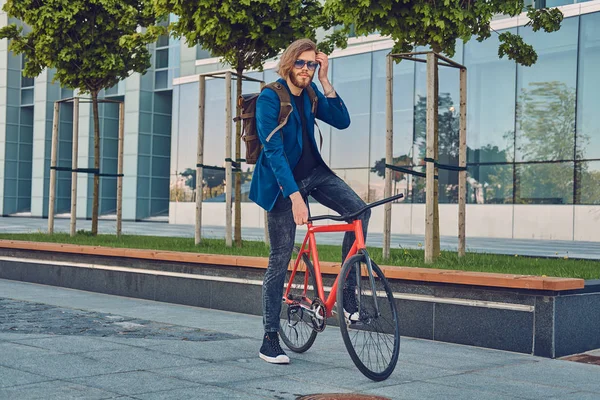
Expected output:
{"points": [[352, 217]]}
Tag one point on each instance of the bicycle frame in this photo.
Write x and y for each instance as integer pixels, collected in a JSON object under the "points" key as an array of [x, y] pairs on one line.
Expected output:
{"points": [[309, 246]]}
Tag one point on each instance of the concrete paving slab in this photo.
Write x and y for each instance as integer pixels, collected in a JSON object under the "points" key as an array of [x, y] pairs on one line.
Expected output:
{"points": [[167, 366], [285, 388], [584, 377], [133, 382], [59, 366], [222, 350], [55, 390], [71, 344], [139, 359], [202, 391], [214, 373], [13, 377], [525, 390], [577, 396], [427, 390]]}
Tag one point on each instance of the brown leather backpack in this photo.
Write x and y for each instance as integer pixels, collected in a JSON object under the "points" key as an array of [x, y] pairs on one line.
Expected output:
{"points": [[247, 102]]}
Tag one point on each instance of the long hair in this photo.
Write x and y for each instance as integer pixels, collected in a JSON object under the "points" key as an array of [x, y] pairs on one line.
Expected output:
{"points": [[291, 54]]}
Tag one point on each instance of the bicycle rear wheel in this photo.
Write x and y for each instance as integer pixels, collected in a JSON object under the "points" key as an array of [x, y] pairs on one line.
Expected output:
{"points": [[373, 342], [296, 327]]}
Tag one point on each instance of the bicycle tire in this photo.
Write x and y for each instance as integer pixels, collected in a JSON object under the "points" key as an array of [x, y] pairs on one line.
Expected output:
{"points": [[370, 322], [305, 339]]}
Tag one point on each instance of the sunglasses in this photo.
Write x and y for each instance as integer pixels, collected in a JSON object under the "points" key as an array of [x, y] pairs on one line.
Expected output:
{"points": [[311, 65]]}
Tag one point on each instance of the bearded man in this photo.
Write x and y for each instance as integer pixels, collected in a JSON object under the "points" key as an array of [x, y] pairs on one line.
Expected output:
{"points": [[290, 168]]}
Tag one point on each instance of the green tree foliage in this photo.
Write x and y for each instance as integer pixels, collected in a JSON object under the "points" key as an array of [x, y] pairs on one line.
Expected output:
{"points": [[244, 34], [440, 23], [92, 45]]}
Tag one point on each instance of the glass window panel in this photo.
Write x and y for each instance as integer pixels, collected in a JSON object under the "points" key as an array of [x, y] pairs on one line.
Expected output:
{"points": [[25, 152], [163, 41], [143, 187], [12, 151], [556, 3], [188, 127], [26, 81], [202, 54], [214, 185], [160, 188], [159, 207], [143, 209], [162, 124], [357, 179], [109, 187], [448, 110], [12, 115], [111, 128], [12, 133], [13, 78], [145, 122], [162, 58], [144, 143], [352, 80], [143, 166], [161, 145], [11, 169], [27, 116], [544, 183], [160, 166], [588, 101], [588, 182], [162, 79], [403, 112], [146, 101], [546, 95], [27, 96], [490, 184], [490, 106], [214, 125], [163, 102]]}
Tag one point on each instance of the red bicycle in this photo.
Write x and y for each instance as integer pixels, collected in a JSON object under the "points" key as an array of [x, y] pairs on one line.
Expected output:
{"points": [[372, 337]]}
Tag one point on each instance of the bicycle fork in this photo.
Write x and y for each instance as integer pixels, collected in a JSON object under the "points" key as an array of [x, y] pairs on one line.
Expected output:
{"points": [[371, 281]]}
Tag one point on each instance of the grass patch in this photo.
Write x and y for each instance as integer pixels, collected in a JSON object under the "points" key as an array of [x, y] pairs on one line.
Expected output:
{"points": [[557, 267]]}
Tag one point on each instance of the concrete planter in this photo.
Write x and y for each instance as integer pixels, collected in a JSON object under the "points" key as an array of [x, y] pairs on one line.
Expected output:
{"points": [[548, 317]]}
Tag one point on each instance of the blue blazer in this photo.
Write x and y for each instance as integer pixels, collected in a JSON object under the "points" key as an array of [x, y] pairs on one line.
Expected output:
{"points": [[273, 174]]}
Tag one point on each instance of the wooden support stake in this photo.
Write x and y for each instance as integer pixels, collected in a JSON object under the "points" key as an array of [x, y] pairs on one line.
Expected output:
{"points": [[462, 162], [431, 182], [53, 156], [200, 157], [267, 239], [228, 180], [389, 154], [74, 162], [121, 145]]}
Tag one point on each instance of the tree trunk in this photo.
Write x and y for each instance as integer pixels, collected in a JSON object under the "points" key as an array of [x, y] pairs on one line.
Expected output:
{"points": [[95, 201], [238, 154]]}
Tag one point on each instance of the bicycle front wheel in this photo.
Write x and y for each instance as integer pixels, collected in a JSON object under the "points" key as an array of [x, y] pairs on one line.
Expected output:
{"points": [[296, 326], [373, 341]]}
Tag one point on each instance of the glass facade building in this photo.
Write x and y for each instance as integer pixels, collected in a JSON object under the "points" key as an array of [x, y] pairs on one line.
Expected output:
{"points": [[533, 134]]}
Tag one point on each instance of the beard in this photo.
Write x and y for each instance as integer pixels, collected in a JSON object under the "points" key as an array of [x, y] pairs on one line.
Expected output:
{"points": [[299, 81]]}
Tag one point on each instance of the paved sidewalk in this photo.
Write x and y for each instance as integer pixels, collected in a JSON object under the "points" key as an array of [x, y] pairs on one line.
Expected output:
{"points": [[525, 247], [58, 343]]}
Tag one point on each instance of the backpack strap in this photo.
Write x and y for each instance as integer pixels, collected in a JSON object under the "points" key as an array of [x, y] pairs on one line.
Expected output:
{"points": [[284, 103], [314, 100]]}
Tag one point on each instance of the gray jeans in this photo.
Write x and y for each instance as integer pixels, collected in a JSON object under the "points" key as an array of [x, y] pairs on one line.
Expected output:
{"points": [[329, 190]]}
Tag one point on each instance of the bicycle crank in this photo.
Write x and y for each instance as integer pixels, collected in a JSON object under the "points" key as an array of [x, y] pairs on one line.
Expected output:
{"points": [[318, 315]]}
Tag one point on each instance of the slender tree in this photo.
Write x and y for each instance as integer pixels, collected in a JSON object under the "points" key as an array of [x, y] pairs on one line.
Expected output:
{"points": [[246, 33], [92, 45], [440, 23]]}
